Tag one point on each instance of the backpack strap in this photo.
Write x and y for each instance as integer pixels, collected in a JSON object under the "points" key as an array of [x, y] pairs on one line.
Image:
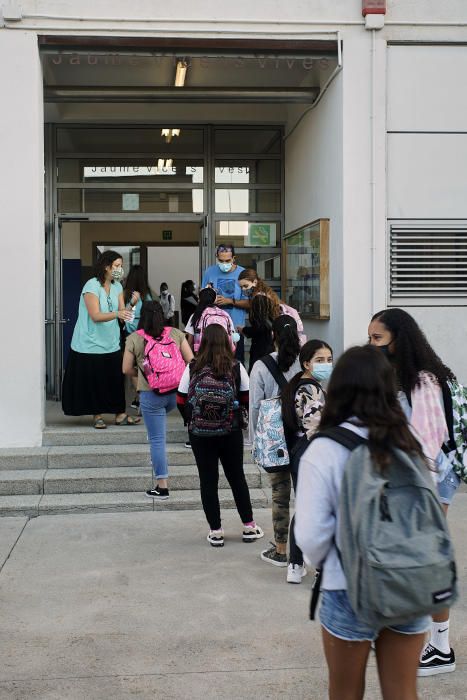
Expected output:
{"points": [[345, 437], [449, 415], [273, 368]]}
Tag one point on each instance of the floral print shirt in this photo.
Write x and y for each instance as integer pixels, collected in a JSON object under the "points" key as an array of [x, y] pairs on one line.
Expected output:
{"points": [[309, 402]]}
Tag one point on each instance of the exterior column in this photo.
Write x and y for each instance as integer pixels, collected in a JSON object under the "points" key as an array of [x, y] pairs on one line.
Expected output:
{"points": [[22, 226]]}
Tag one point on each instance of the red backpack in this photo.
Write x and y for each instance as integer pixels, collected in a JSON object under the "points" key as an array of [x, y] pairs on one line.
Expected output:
{"points": [[163, 364]]}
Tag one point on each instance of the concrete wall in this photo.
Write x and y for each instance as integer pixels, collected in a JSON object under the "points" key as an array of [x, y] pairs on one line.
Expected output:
{"points": [[313, 190], [427, 175], [22, 225]]}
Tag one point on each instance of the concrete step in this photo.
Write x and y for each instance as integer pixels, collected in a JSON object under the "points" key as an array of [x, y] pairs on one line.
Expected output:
{"points": [[113, 435], [92, 456], [136, 479], [108, 479], [53, 504]]}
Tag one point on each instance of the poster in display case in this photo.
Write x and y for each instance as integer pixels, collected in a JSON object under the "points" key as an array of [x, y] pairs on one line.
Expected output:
{"points": [[306, 261]]}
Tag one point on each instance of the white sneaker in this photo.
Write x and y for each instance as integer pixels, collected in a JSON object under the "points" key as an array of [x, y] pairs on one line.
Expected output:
{"points": [[251, 534], [216, 538], [295, 573]]}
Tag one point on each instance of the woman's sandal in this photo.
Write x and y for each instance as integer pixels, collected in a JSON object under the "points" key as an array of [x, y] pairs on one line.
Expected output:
{"points": [[99, 424], [128, 420]]}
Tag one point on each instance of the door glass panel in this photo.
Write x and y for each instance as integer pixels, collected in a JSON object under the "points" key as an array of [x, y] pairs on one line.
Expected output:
{"points": [[145, 201], [239, 201], [261, 141], [119, 140], [175, 170], [256, 172], [248, 233]]}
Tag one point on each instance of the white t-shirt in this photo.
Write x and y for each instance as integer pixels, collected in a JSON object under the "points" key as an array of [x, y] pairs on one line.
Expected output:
{"points": [[185, 380]]}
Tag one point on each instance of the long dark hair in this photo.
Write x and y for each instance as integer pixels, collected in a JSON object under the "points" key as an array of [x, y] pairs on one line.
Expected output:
{"points": [[152, 319], [104, 260], [262, 311], [289, 414], [285, 335], [215, 352], [136, 281], [207, 297], [413, 353], [363, 387]]}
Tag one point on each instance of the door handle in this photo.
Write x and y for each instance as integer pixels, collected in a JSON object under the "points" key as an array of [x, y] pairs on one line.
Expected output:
{"points": [[49, 321], [64, 320]]}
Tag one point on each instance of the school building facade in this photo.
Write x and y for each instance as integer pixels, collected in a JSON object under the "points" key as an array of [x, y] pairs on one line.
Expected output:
{"points": [[326, 141]]}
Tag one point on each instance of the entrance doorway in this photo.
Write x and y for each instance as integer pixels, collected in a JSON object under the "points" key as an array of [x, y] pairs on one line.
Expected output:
{"points": [[169, 252]]}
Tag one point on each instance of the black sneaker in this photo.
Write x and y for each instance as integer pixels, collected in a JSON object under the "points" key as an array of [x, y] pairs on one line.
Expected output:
{"points": [[272, 556], [434, 661], [158, 493], [135, 404]]}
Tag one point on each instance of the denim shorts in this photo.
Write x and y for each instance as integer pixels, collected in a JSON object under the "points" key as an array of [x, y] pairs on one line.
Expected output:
{"points": [[338, 618], [448, 487]]}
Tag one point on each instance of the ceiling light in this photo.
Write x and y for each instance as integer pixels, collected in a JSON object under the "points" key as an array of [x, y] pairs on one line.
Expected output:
{"points": [[169, 134], [180, 73]]}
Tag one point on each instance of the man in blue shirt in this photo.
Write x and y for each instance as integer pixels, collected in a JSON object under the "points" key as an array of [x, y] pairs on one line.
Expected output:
{"points": [[223, 277]]}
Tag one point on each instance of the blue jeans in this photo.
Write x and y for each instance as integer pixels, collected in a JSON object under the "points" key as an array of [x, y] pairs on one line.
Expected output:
{"points": [[338, 618], [154, 408]]}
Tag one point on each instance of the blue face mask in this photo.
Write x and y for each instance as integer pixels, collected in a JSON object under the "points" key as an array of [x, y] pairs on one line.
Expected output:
{"points": [[235, 337], [322, 371], [224, 266]]}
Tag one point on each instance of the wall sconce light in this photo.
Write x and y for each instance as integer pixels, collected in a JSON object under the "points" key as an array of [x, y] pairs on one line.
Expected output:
{"points": [[180, 73]]}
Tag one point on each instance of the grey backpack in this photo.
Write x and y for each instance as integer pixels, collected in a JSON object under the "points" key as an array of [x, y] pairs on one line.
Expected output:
{"points": [[393, 539]]}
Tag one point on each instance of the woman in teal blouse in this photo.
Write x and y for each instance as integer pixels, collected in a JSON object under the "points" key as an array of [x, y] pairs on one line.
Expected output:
{"points": [[93, 383]]}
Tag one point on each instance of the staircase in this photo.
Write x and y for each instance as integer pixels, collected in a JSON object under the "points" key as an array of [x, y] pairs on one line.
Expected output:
{"points": [[82, 470]]}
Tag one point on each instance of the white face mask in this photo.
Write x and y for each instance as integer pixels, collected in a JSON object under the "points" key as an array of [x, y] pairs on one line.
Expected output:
{"points": [[165, 292]]}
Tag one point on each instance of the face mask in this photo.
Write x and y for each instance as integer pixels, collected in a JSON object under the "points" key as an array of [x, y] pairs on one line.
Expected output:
{"points": [[385, 350], [322, 371], [224, 266], [165, 292], [235, 337], [118, 273], [249, 290]]}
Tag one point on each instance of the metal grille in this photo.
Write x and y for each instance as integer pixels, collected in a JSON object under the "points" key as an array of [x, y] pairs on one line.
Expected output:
{"points": [[428, 260]]}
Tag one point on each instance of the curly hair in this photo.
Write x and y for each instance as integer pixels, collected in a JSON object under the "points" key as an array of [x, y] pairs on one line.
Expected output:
{"points": [[262, 311], [285, 335], [413, 353], [261, 288], [363, 387], [104, 260]]}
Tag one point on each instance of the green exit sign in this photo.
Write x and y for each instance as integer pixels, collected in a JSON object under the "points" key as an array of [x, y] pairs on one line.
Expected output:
{"points": [[166, 235]]}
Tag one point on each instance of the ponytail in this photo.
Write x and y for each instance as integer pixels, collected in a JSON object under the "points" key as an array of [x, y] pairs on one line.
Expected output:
{"points": [[286, 339]]}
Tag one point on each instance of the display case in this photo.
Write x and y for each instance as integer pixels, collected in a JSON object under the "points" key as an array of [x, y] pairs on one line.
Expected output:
{"points": [[306, 273]]}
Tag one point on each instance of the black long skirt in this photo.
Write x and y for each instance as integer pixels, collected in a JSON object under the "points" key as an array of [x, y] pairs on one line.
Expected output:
{"points": [[93, 384]]}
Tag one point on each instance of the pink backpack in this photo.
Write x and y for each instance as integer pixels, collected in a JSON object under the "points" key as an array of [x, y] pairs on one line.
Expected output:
{"points": [[163, 364], [213, 315], [287, 310]]}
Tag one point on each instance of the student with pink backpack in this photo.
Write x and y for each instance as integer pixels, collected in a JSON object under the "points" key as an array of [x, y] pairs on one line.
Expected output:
{"points": [[157, 355], [206, 314]]}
